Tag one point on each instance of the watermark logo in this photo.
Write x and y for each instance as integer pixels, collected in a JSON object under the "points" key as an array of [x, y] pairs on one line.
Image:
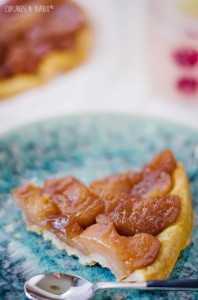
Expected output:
{"points": [[28, 8]]}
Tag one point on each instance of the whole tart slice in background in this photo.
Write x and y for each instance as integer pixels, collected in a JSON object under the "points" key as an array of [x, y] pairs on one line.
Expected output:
{"points": [[39, 41]]}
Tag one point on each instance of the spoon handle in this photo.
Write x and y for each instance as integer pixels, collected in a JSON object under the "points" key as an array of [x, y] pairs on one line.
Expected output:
{"points": [[176, 284]]}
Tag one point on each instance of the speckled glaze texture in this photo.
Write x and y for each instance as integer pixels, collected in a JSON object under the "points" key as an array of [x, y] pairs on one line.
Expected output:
{"points": [[88, 147]]}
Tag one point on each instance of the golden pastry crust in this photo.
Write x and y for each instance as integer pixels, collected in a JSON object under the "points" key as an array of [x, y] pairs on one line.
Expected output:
{"points": [[52, 64], [175, 237]]}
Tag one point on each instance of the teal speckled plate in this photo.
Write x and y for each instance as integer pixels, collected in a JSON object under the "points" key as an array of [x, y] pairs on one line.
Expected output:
{"points": [[88, 147]]}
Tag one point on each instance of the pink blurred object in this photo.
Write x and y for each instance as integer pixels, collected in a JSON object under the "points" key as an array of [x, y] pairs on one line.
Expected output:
{"points": [[173, 48]]}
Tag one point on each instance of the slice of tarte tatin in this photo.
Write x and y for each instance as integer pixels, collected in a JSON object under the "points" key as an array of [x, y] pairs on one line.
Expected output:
{"points": [[38, 40], [134, 223]]}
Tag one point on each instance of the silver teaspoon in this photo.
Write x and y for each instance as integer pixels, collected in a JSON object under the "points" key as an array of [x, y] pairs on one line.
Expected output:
{"points": [[58, 286]]}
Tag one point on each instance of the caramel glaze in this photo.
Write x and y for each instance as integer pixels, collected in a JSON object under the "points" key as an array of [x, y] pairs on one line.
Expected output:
{"points": [[27, 37], [122, 211]]}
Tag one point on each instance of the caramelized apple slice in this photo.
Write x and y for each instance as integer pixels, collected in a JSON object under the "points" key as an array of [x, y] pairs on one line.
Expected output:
{"points": [[73, 198], [121, 254], [115, 188], [111, 199], [153, 183], [35, 205], [156, 176], [150, 215], [115, 183], [163, 161], [63, 226]]}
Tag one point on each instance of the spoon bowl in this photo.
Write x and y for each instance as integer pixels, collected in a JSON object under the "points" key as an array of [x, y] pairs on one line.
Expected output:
{"points": [[58, 286]]}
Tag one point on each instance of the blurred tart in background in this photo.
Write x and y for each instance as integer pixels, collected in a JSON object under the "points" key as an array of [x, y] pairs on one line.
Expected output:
{"points": [[38, 40]]}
